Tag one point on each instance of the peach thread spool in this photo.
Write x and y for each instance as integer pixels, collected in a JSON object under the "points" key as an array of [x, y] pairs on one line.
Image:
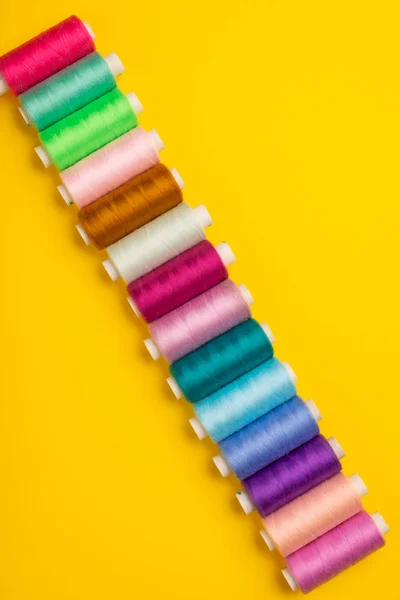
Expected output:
{"points": [[130, 206]]}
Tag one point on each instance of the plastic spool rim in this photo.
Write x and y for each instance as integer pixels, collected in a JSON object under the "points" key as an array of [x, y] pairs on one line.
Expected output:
{"points": [[380, 523], [174, 387], [245, 502], [3, 85], [44, 157], [111, 270], [24, 114], [246, 294], [267, 539], [175, 174], [135, 102], [290, 579], [290, 372], [222, 465], [64, 194], [83, 234], [358, 485], [89, 30], [133, 306], [313, 408], [115, 64], [203, 216], [268, 333], [225, 253], [336, 447], [198, 428], [156, 140], [152, 348]]}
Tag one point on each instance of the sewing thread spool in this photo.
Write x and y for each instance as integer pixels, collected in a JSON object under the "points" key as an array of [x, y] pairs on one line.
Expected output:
{"points": [[197, 322], [268, 438], [311, 515], [157, 242], [130, 206], [287, 478], [111, 166], [335, 551], [44, 55], [179, 280], [221, 360], [246, 399], [90, 128], [69, 90]]}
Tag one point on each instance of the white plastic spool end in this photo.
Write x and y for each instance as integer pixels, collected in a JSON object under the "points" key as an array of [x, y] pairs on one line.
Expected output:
{"points": [[222, 465], [24, 115], [290, 579], [152, 348], [314, 410], [135, 102], [336, 447], [115, 64], [268, 333], [290, 372], [246, 294], [111, 270], [89, 30], [203, 216], [174, 387], [226, 254], [44, 157], [64, 194], [380, 523], [198, 428], [359, 485], [178, 178], [83, 234], [156, 140], [267, 539], [245, 502], [133, 306], [3, 86]]}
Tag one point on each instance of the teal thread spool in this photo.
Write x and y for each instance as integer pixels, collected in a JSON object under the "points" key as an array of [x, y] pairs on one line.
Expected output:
{"points": [[89, 129], [222, 360], [70, 90], [244, 400]]}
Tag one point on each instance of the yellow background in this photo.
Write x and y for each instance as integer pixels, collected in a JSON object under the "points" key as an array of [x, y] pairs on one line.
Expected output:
{"points": [[283, 118]]}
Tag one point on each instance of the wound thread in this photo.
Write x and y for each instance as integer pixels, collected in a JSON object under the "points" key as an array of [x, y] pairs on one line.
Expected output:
{"points": [[111, 166], [89, 129], [223, 359], [46, 54], [293, 475], [269, 438]]}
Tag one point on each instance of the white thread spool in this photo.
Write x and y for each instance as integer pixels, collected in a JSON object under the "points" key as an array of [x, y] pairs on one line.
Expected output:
{"points": [[157, 242], [155, 351], [245, 500], [82, 232], [227, 256], [379, 521], [173, 384], [3, 84], [201, 432], [44, 155], [114, 64]]}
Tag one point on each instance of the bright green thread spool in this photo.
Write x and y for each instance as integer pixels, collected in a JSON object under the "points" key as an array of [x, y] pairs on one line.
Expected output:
{"points": [[89, 129], [70, 90], [222, 360]]}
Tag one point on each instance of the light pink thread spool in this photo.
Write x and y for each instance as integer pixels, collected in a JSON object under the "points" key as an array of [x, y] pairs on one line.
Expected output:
{"points": [[311, 515], [111, 166], [197, 322]]}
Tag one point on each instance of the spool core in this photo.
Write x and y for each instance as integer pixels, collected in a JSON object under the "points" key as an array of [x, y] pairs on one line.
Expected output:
{"points": [[3, 86]]}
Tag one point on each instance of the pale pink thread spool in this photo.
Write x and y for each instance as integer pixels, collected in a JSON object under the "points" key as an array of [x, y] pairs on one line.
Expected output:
{"points": [[311, 515], [197, 322], [111, 166]]}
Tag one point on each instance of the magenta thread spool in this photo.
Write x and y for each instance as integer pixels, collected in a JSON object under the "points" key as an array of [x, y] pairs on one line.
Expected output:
{"points": [[179, 280], [287, 478]]}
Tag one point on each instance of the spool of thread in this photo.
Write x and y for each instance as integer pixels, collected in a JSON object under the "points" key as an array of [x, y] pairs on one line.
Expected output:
{"points": [[246, 399], [46, 54], [335, 551], [179, 280], [69, 90], [111, 166], [157, 242], [221, 360], [199, 321], [90, 128], [268, 438], [130, 206], [311, 515], [292, 475]]}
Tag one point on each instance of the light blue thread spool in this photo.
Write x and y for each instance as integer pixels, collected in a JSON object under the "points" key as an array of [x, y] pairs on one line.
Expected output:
{"points": [[244, 400], [268, 438]]}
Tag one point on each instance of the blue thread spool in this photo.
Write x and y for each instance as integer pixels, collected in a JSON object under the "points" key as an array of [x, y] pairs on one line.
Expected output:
{"points": [[269, 438], [244, 400]]}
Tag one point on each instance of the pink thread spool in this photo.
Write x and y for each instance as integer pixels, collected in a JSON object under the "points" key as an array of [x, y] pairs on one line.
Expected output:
{"points": [[106, 169], [179, 280], [311, 515], [336, 551], [46, 54], [199, 321]]}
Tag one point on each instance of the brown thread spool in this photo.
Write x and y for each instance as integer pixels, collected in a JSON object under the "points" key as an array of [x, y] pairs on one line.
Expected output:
{"points": [[130, 206]]}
